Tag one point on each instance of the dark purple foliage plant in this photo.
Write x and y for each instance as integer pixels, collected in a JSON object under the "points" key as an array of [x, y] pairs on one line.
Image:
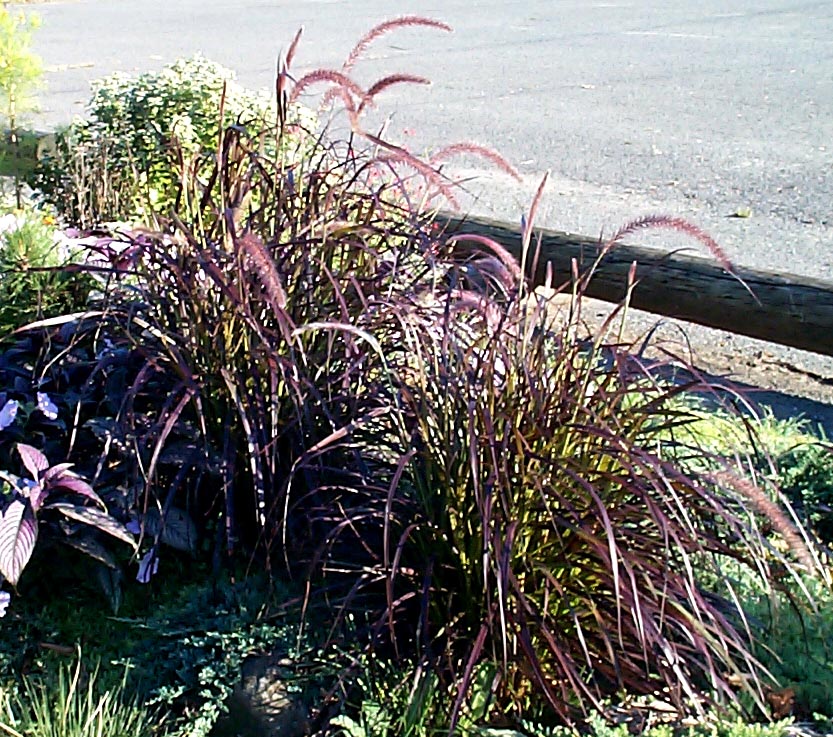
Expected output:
{"points": [[48, 489]]}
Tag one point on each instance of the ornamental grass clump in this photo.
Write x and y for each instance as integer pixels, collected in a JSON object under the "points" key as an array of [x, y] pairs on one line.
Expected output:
{"points": [[316, 377], [75, 704], [540, 522], [251, 323], [259, 329]]}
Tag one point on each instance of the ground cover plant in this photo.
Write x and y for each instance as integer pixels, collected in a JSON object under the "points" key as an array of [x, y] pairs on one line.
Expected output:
{"points": [[169, 664], [791, 453], [288, 367]]}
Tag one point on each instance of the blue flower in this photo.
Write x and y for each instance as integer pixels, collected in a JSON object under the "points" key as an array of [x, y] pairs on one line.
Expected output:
{"points": [[5, 598], [8, 413], [148, 566], [134, 526], [47, 406]]}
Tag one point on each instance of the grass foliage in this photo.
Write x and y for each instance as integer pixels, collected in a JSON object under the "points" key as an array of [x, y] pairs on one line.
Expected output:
{"points": [[74, 704]]}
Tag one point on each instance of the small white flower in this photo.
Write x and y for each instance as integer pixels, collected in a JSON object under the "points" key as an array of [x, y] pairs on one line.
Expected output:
{"points": [[5, 598], [47, 406], [148, 566], [8, 413]]}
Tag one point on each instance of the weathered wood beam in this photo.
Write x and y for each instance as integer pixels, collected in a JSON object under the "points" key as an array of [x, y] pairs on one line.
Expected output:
{"points": [[787, 309]]}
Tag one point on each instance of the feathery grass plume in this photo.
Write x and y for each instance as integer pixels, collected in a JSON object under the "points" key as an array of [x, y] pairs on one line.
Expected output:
{"points": [[377, 32], [385, 83], [399, 155], [682, 226], [423, 189], [671, 223], [795, 537], [475, 149], [263, 264], [405, 21], [283, 77], [507, 260], [293, 47], [339, 79]]}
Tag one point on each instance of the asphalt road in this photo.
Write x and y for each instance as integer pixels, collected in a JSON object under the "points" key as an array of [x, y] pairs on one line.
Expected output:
{"points": [[694, 108]]}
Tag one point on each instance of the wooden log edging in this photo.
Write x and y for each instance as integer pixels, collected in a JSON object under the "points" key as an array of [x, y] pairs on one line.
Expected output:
{"points": [[790, 310]]}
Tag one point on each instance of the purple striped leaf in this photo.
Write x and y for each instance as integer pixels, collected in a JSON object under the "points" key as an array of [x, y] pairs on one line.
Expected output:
{"points": [[73, 484], [33, 459], [18, 535]]}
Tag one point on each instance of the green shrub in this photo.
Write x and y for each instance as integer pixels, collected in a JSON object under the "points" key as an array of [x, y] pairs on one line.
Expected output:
{"points": [[20, 68], [126, 160], [805, 475]]}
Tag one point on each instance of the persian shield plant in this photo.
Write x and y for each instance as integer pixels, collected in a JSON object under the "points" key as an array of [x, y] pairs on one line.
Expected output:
{"points": [[27, 500]]}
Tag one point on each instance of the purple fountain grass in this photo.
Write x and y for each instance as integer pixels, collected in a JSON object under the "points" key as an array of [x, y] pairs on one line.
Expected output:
{"points": [[399, 155], [475, 149], [293, 47], [339, 79], [795, 538], [405, 21], [283, 77], [556, 530], [377, 32], [261, 261], [385, 83], [650, 222], [506, 259], [667, 222]]}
